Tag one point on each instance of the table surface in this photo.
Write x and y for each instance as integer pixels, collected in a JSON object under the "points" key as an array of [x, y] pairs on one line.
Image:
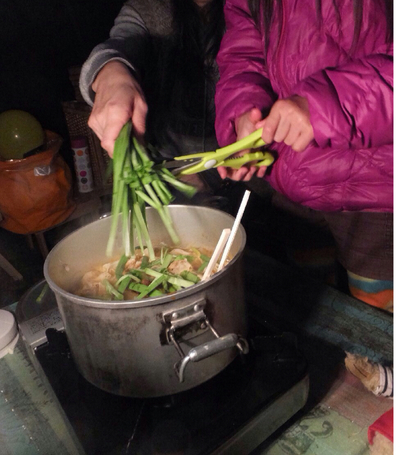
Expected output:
{"points": [[32, 420]]}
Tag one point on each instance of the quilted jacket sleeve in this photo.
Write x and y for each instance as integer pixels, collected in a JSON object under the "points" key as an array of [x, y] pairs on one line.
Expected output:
{"points": [[349, 165], [351, 106], [243, 82]]}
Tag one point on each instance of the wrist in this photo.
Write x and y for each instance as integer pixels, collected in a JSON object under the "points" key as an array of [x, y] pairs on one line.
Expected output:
{"points": [[301, 101], [112, 72]]}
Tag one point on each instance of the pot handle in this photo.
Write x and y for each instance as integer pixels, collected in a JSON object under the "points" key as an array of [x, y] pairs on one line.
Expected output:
{"points": [[211, 348]]}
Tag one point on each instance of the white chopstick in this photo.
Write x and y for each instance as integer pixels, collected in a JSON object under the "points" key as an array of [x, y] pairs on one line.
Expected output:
{"points": [[216, 254], [235, 227]]}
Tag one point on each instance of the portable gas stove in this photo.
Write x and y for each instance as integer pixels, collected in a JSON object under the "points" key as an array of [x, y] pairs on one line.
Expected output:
{"points": [[231, 414]]}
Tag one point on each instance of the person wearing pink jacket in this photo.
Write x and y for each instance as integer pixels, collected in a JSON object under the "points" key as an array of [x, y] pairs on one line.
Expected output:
{"points": [[317, 77]]}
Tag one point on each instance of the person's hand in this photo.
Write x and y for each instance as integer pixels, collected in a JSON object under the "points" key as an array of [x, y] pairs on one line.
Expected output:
{"points": [[118, 99], [245, 125], [288, 121]]}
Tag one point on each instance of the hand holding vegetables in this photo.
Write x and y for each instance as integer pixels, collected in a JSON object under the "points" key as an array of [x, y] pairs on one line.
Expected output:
{"points": [[119, 98], [245, 125], [288, 121]]}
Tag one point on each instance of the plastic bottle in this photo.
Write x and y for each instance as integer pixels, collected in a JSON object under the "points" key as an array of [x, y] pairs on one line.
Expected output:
{"points": [[83, 167]]}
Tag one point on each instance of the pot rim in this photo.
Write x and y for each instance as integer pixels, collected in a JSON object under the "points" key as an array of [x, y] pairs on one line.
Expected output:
{"points": [[148, 301]]}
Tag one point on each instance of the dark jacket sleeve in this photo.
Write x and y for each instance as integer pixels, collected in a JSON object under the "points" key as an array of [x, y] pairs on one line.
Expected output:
{"points": [[129, 42]]}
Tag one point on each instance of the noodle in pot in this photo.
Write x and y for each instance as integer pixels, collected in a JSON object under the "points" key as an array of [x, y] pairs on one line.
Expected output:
{"points": [[135, 277]]}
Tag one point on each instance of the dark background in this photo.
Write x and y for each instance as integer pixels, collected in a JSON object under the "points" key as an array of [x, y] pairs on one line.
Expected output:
{"points": [[39, 41]]}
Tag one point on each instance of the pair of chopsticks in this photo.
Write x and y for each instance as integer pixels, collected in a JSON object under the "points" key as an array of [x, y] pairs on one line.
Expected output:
{"points": [[226, 240]]}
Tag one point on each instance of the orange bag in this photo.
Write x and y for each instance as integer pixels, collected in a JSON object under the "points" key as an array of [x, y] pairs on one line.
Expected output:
{"points": [[35, 192]]}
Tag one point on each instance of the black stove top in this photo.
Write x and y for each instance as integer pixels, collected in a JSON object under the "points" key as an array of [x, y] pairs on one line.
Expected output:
{"points": [[232, 413]]}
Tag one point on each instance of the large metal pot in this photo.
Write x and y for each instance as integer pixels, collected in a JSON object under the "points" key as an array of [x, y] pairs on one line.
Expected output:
{"points": [[154, 346]]}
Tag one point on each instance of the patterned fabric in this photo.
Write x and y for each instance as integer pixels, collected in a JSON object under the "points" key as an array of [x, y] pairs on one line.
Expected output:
{"points": [[378, 293], [377, 378], [385, 387]]}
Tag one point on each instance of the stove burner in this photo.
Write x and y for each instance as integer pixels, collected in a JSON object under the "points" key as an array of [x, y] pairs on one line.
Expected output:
{"points": [[231, 414], [193, 422]]}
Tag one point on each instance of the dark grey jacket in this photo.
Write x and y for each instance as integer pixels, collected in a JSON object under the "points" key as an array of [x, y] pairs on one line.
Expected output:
{"points": [[140, 38], [137, 22]]}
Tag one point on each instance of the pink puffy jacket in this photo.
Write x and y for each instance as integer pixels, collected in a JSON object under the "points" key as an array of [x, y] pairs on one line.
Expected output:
{"points": [[349, 165]]}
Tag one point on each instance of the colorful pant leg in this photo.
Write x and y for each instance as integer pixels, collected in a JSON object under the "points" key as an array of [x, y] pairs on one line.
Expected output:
{"points": [[378, 293]]}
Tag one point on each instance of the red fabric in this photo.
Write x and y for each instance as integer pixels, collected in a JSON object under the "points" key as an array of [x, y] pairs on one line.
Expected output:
{"points": [[383, 425]]}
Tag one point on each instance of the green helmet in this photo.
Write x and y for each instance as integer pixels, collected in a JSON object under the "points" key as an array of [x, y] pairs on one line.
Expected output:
{"points": [[20, 133]]}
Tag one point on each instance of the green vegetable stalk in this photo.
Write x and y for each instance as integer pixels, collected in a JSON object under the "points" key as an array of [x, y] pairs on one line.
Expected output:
{"points": [[137, 181]]}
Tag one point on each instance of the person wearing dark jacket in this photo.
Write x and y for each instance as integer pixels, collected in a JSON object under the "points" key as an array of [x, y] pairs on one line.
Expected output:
{"points": [[158, 68]]}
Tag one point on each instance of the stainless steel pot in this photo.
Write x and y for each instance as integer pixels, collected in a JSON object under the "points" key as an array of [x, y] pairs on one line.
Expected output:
{"points": [[154, 346]]}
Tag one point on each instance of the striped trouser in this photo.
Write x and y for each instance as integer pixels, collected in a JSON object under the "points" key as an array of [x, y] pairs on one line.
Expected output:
{"points": [[378, 293]]}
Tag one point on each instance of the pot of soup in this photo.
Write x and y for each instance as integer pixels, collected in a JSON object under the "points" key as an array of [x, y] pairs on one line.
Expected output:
{"points": [[157, 344]]}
